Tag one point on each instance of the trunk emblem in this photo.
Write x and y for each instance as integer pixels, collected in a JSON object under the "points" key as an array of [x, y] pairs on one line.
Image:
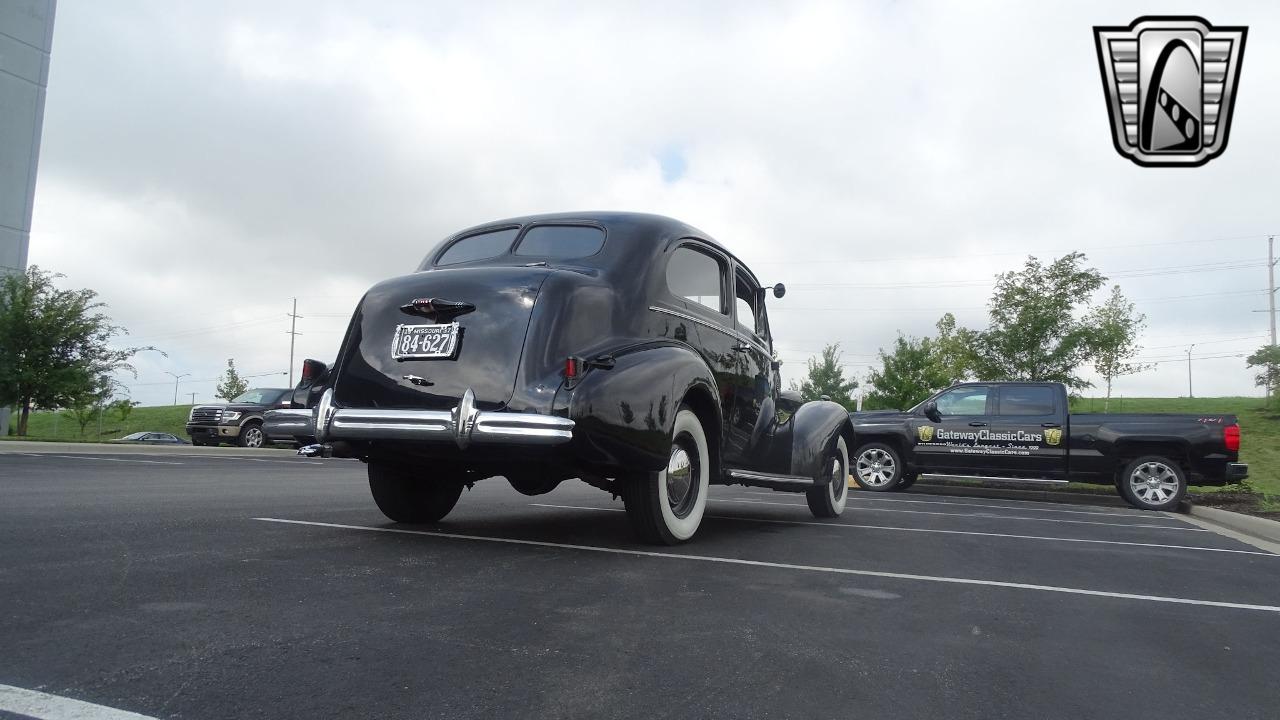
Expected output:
{"points": [[437, 308]]}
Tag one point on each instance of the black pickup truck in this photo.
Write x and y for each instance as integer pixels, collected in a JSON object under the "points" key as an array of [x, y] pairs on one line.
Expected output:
{"points": [[1022, 432], [239, 421]]}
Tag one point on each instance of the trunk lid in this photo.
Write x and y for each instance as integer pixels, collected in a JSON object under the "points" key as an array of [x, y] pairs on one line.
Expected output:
{"points": [[489, 346]]}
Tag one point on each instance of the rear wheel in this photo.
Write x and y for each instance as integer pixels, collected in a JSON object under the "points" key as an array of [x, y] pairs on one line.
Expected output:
{"points": [[877, 467], [828, 500], [404, 496], [1153, 482], [666, 507]]}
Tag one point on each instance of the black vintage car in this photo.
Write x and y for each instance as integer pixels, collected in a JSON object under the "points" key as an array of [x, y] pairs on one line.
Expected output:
{"points": [[630, 351]]}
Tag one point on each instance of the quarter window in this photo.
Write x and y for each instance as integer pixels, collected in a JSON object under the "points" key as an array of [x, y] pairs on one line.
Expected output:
{"points": [[746, 300], [963, 401], [478, 247], [697, 277], [1026, 400]]}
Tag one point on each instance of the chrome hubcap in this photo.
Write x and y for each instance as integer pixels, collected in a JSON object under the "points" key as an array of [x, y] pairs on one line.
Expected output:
{"points": [[876, 467], [682, 474], [1154, 483], [839, 484]]}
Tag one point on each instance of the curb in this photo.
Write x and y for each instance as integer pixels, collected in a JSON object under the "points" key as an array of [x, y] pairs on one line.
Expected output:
{"points": [[1261, 529], [88, 448]]}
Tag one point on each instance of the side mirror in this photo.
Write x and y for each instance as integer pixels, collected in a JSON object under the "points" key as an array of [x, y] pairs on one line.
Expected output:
{"points": [[931, 411], [779, 290]]}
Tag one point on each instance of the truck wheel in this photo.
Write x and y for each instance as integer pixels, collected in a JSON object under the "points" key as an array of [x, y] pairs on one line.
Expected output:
{"points": [[404, 496], [877, 467], [1153, 482], [666, 507], [251, 436], [907, 481], [828, 501]]}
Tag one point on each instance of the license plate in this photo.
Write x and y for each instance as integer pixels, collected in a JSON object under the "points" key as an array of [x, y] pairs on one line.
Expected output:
{"points": [[424, 341]]}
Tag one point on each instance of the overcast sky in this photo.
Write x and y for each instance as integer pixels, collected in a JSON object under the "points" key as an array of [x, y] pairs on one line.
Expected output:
{"points": [[204, 164]]}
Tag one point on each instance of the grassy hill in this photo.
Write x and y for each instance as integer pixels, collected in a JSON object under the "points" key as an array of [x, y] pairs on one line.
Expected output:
{"points": [[62, 426]]}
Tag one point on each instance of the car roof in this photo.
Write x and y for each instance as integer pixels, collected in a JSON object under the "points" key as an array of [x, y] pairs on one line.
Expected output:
{"points": [[631, 237]]}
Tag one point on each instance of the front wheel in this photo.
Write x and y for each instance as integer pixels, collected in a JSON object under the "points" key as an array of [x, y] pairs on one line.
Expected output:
{"points": [[251, 436], [827, 501], [666, 507], [1153, 482], [405, 497], [877, 467]]}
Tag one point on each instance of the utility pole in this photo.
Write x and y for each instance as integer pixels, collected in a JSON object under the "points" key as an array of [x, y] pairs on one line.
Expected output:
{"points": [[1271, 282], [176, 378], [193, 398], [1190, 394], [293, 335]]}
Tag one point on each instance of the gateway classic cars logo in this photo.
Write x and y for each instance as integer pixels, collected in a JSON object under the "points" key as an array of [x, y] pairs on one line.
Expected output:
{"points": [[1170, 84], [1053, 436], [927, 433]]}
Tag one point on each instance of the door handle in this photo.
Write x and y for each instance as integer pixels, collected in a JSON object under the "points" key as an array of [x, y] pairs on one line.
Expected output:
{"points": [[741, 347], [1050, 425], [977, 424]]}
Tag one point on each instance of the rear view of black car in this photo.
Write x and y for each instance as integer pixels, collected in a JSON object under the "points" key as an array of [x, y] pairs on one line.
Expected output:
{"points": [[629, 351]]}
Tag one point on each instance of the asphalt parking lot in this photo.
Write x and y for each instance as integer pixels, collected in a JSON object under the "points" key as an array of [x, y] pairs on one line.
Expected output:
{"points": [[198, 586]]}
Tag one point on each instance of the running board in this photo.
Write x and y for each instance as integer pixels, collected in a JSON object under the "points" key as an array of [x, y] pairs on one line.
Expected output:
{"points": [[989, 478], [753, 478]]}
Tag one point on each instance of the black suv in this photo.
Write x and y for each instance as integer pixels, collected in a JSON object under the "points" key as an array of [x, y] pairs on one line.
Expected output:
{"points": [[239, 421]]}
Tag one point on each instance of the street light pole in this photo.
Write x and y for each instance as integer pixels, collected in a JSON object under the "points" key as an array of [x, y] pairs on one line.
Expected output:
{"points": [[1190, 394], [176, 378]]}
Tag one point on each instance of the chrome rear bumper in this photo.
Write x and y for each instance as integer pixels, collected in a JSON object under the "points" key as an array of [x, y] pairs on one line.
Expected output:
{"points": [[463, 425]]}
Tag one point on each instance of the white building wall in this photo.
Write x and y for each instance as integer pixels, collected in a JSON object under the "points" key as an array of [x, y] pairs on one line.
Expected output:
{"points": [[26, 37]]}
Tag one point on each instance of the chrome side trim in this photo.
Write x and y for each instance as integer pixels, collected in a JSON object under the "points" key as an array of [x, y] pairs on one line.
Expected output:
{"points": [[770, 477], [295, 421], [989, 478], [731, 333]]}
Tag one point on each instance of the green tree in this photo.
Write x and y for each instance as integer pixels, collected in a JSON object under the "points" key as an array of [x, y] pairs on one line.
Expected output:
{"points": [[1114, 327], [953, 350], [55, 345], [232, 384], [1034, 333], [123, 407], [83, 414], [1267, 358], [913, 371], [826, 377]]}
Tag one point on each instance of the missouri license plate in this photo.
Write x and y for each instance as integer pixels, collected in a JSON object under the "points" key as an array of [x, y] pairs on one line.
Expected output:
{"points": [[424, 341]]}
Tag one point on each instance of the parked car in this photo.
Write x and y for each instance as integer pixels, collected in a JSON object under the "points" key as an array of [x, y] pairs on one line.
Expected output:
{"points": [[1023, 432], [151, 438], [239, 421], [630, 351]]}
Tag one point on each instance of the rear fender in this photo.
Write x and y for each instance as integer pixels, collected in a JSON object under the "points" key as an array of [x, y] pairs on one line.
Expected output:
{"points": [[625, 413]]}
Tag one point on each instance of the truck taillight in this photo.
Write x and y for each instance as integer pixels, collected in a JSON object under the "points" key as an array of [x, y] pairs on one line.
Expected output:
{"points": [[1231, 434]]}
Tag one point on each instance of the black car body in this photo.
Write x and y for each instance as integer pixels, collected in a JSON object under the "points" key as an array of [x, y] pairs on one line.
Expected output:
{"points": [[571, 346], [238, 421], [1024, 432]]}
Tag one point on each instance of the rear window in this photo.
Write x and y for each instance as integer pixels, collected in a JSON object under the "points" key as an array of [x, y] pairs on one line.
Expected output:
{"points": [[561, 241], [478, 247], [1026, 400]]}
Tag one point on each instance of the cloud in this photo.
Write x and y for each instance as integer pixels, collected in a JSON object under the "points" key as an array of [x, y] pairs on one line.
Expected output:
{"points": [[202, 165]]}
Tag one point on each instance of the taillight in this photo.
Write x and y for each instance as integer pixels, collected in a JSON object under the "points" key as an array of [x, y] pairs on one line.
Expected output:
{"points": [[1231, 434], [571, 368], [312, 369]]}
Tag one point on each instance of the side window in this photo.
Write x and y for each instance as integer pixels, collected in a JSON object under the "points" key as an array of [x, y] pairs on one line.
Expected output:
{"points": [[697, 277], [1026, 400], [964, 401], [478, 247], [746, 303]]}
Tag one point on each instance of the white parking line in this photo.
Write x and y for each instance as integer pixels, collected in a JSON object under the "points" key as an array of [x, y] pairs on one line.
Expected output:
{"points": [[856, 526], [787, 566], [989, 516], [862, 497], [106, 459], [53, 707]]}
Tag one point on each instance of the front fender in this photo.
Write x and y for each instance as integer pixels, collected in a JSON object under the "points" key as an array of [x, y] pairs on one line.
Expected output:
{"points": [[624, 414], [815, 426]]}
